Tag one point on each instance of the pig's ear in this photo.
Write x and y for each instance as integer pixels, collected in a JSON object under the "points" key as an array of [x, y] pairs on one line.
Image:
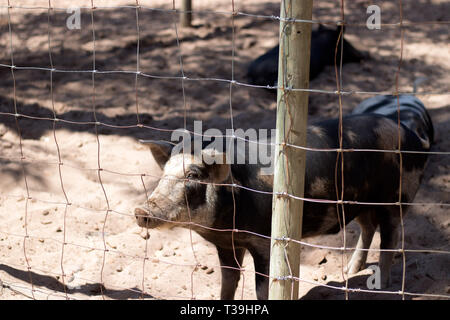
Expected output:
{"points": [[216, 163], [160, 150]]}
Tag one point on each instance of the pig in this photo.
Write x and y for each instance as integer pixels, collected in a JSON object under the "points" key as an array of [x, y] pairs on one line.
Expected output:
{"points": [[264, 70], [413, 113], [198, 194]]}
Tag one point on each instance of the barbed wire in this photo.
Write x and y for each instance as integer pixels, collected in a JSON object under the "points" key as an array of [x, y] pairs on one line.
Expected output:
{"points": [[228, 81]]}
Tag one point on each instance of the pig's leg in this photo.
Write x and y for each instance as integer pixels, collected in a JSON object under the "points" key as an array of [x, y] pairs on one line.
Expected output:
{"points": [[389, 233], [368, 226], [261, 261], [230, 270]]}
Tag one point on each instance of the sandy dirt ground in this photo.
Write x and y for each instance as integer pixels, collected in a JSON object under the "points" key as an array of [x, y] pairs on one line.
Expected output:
{"points": [[95, 239]]}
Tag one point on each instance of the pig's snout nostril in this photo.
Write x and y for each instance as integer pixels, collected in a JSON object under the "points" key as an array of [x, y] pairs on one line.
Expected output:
{"points": [[149, 215], [145, 219], [142, 217]]}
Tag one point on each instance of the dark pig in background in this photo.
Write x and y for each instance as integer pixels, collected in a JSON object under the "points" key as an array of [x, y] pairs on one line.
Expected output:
{"points": [[264, 70], [198, 194]]}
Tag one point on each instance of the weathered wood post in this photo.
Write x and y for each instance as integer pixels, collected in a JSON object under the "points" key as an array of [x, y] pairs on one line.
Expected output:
{"points": [[289, 175], [186, 14]]}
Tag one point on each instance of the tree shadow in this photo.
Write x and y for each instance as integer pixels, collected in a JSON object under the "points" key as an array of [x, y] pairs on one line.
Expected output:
{"points": [[426, 274], [88, 289], [434, 184], [355, 282], [358, 282], [36, 120], [206, 52]]}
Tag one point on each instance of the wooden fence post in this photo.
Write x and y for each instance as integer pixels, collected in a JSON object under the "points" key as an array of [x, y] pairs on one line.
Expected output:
{"points": [[289, 174], [186, 14]]}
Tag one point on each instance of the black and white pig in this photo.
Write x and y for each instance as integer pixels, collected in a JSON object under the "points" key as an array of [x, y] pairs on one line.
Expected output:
{"points": [[264, 70], [198, 194]]}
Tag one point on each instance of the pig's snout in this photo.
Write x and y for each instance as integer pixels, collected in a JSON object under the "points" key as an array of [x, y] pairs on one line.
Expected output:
{"points": [[145, 220]]}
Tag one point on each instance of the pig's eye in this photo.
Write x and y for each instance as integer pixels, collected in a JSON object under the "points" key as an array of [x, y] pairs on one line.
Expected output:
{"points": [[192, 175]]}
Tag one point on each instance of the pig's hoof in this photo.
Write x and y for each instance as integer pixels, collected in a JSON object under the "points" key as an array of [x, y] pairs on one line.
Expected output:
{"points": [[386, 283], [354, 267]]}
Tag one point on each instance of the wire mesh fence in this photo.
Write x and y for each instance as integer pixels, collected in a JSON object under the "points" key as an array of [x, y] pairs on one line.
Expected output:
{"points": [[87, 89]]}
